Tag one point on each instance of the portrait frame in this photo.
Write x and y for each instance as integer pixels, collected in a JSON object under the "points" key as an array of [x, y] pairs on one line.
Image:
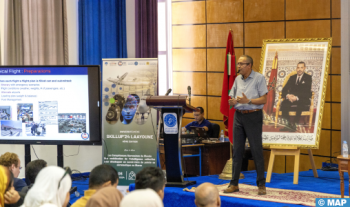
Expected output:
{"points": [[287, 57]]}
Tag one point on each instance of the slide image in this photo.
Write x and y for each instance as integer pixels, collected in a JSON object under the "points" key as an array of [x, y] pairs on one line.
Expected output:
{"points": [[25, 112], [11, 128], [36, 129], [48, 111], [5, 112], [71, 123]]}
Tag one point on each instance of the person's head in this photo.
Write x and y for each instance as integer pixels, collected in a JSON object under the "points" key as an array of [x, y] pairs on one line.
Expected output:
{"points": [[106, 197], [142, 198], [301, 66], [245, 65], [33, 168], [6, 182], [207, 195], [151, 177], [103, 176], [51, 186], [11, 161], [199, 115], [129, 109]]}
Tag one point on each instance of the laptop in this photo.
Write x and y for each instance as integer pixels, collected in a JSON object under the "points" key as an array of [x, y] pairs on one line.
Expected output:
{"points": [[200, 132]]}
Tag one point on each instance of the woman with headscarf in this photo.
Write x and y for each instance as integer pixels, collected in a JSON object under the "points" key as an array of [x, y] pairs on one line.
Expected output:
{"points": [[51, 188], [9, 197], [4, 183], [106, 197], [142, 198]]}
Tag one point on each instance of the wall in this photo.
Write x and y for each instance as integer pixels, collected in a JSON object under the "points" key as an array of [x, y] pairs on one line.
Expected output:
{"points": [[200, 30]]}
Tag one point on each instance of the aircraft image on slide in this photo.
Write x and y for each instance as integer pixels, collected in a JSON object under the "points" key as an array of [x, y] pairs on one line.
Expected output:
{"points": [[11, 128]]}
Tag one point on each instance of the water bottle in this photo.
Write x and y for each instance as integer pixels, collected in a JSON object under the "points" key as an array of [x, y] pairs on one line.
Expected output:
{"points": [[345, 149], [222, 136]]}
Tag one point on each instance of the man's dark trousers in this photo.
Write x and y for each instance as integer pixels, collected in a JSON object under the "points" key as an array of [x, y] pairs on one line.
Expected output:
{"points": [[248, 125]]}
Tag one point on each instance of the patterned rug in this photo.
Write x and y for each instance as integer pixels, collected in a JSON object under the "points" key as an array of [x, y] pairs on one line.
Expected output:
{"points": [[306, 198]]}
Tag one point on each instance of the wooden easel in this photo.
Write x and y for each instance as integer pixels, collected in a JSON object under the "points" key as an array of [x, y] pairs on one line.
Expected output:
{"points": [[295, 151]]}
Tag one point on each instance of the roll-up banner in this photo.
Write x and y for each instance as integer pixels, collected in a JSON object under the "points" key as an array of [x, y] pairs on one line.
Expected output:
{"points": [[128, 124]]}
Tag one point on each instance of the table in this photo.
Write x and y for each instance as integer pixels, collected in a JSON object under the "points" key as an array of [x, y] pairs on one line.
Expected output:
{"points": [[343, 166]]}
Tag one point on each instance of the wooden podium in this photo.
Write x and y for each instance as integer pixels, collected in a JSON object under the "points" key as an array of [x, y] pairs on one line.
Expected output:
{"points": [[172, 142]]}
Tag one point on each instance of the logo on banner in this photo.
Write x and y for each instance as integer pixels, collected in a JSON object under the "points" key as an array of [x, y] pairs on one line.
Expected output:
{"points": [[170, 120], [132, 175], [85, 136], [170, 123], [106, 63], [120, 63], [147, 63], [136, 63]]}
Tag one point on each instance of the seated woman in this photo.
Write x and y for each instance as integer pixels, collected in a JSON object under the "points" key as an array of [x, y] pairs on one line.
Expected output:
{"points": [[51, 188], [106, 197], [9, 197], [142, 198]]}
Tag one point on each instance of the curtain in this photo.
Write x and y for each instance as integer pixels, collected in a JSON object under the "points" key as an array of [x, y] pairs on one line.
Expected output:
{"points": [[36, 32], [102, 31], [146, 24]]}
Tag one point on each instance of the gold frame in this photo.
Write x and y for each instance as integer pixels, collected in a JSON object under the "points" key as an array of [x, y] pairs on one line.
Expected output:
{"points": [[324, 88]]}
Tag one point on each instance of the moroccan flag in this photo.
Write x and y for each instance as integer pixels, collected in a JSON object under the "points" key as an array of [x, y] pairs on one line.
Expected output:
{"points": [[229, 78], [271, 87]]}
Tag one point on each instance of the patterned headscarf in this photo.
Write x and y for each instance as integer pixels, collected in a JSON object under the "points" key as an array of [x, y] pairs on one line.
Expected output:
{"points": [[4, 179]]}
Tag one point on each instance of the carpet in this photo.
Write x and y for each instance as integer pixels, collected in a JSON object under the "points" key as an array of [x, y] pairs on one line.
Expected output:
{"points": [[306, 198]]}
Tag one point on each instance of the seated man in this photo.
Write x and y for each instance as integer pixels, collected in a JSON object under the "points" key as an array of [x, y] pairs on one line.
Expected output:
{"points": [[200, 121], [32, 170], [153, 178], [12, 162], [207, 195], [101, 176], [296, 94]]}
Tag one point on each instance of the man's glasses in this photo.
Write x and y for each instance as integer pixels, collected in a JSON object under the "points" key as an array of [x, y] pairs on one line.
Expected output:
{"points": [[67, 171], [240, 64]]}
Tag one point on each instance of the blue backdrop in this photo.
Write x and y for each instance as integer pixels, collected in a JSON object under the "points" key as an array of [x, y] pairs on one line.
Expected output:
{"points": [[102, 31]]}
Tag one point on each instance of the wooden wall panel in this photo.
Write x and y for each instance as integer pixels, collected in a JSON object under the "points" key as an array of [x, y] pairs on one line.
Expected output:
{"points": [[214, 108], [326, 119], [216, 59], [310, 9], [198, 101], [189, 36], [336, 143], [255, 53], [255, 32], [189, 59], [305, 164], [336, 116], [266, 10], [335, 8], [218, 33], [219, 11], [324, 146], [186, 121], [336, 32], [336, 88], [278, 166], [328, 92], [197, 81], [308, 29], [215, 83], [336, 61], [188, 12]]}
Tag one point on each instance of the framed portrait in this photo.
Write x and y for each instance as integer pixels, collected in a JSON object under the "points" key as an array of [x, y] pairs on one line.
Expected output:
{"points": [[296, 73]]}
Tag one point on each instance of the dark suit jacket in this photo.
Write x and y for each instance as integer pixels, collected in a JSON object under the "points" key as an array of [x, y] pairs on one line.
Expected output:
{"points": [[301, 90]]}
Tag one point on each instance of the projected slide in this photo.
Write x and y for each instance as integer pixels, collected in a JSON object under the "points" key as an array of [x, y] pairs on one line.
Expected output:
{"points": [[44, 103]]}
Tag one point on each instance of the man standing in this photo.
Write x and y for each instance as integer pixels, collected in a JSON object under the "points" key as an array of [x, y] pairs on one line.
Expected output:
{"points": [[296, 94], [248, 95]]}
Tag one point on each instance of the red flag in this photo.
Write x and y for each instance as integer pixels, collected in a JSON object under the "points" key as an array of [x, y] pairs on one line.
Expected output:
{"points": [[271, 87], [230, 65]]}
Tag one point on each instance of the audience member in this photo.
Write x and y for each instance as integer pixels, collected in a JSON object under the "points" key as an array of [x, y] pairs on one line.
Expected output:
{"points": [[51, 189], [106, 197], [153, 178], [101, 176], [9, 197], [32, 170], [207, 195], [12, 162], [142, 198]]}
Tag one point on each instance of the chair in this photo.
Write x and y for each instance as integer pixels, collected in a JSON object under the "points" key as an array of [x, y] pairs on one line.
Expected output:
{"points": [[215, 130], [309, 112]]}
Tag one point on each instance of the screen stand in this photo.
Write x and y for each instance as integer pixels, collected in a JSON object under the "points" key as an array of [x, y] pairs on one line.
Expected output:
{"points": [[27, 155], [60, 155]]}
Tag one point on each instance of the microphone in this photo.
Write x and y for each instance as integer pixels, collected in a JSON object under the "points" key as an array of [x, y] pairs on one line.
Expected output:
{"points": [[189, 93], [168, 92], [238, 71]]}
